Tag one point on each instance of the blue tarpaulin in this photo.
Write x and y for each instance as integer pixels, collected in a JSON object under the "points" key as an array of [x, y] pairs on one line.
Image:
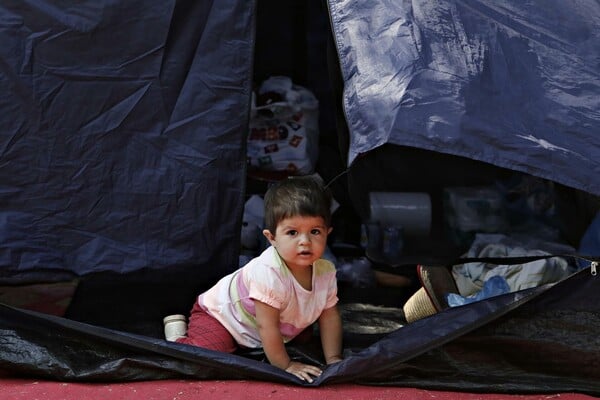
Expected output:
{"points": [[511, 83], [122, 133], [124, 122]]}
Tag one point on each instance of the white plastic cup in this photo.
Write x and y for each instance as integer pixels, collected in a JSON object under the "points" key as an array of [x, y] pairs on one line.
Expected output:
{"points": [[175, 327]]}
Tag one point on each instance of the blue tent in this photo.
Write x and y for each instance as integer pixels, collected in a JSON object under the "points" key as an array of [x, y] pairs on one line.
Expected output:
{"points": [[123, 145]]}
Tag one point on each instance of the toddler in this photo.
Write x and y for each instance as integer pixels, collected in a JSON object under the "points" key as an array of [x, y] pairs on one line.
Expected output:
{"points": [[282, 292]]}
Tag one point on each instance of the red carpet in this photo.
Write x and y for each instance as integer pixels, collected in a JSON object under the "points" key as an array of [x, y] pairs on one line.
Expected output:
{"points": [[27, 389]]}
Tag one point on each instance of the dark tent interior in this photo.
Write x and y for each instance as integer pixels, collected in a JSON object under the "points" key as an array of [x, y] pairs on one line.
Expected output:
{"points": [[125, 178]]}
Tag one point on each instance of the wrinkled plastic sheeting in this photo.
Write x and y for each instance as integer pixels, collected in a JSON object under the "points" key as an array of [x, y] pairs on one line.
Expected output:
{"points": [[538, 340], [122, 133], [511, 83]]}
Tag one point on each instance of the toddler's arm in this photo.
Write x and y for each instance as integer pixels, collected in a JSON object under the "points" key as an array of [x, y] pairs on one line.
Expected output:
{"points": [[267, 318], [330, 327]]}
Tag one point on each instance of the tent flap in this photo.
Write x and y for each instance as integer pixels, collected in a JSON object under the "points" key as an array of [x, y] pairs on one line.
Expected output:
{"points": [[514, 84], [121, 146]]}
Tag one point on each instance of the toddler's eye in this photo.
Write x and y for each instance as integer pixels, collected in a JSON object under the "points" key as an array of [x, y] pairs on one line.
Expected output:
{"points": [[316, 232], [292, 232]]}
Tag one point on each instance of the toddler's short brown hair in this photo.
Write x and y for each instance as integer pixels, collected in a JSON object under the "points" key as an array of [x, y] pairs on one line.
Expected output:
{"points": [[297, 196]]}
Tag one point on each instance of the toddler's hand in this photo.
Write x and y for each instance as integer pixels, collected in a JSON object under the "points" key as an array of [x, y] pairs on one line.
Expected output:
{"points": [[303, 371]]}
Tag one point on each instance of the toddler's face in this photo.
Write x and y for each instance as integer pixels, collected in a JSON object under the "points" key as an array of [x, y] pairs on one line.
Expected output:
{"points": [[300, 241]]}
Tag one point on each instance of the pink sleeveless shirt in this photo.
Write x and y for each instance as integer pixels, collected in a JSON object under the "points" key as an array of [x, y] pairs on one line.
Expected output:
{"points": [[266, 278]]}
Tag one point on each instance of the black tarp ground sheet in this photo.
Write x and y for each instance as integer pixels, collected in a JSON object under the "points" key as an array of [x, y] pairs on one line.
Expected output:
{"points": [[122, 149]]}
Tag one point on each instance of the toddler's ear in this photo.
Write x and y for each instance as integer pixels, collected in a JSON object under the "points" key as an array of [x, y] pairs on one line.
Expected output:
{"points": [[268, 235]]}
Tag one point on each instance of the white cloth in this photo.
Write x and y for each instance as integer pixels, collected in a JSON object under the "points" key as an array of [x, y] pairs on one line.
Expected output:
{"points": [[470, 277]]}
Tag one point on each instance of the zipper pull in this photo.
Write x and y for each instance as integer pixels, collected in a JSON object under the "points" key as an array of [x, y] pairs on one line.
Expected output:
{"points": [[593, 267]]}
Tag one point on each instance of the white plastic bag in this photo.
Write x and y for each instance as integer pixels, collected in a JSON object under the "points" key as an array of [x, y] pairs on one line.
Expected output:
{"points": [[284, 134]]}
